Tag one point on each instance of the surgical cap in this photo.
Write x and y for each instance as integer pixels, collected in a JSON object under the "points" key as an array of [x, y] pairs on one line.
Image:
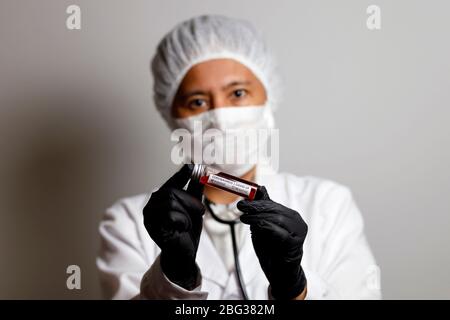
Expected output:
{"points": [[205, 38]]}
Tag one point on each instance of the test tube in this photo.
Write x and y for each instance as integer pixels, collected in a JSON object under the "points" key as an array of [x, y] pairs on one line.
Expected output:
{"points": [[221, 180]]}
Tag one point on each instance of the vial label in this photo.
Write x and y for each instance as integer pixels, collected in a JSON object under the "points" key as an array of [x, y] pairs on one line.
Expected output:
{"points": [[235, 186]]}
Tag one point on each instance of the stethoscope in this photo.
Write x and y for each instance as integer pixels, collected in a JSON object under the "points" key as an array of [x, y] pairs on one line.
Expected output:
{"points": [[232, 224]]}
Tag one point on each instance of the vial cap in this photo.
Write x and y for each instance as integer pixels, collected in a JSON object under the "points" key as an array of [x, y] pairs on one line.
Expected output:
{"points": [[198, 171]]}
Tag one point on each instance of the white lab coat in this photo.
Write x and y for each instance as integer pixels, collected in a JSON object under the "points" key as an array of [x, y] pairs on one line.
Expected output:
{"points": [[337, 260]]}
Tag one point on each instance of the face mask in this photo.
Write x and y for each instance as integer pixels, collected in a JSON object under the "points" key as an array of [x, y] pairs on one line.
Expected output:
{"points": [[237, 135]]}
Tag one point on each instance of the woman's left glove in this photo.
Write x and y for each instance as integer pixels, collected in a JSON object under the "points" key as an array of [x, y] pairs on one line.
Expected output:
{"points": [[278, 234]]}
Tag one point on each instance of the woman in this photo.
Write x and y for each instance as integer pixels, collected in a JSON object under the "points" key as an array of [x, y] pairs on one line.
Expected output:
{"points": [[302, 237]]}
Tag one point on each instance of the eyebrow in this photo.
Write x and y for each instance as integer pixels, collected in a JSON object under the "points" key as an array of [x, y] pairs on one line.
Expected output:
{"points": [[236, 83], [193, 93], [229, 85]]}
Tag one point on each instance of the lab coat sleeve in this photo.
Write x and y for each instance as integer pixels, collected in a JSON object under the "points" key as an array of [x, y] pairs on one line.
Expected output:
{"points": [[156, 285], [345, 267], [123, 263]]}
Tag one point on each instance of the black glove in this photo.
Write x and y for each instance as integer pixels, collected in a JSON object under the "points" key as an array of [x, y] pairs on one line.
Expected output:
{"points": [[174, 219], [278, 234]]}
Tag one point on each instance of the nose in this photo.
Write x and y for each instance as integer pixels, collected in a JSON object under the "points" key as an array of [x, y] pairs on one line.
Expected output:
{"points": [[218, 101]]}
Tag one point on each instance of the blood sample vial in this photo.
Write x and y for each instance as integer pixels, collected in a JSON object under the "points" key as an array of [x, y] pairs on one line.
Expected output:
{"points": [[215, 178]]}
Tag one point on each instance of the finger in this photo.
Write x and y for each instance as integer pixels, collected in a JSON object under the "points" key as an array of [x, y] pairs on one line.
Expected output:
{"points": [[165, 201], [262, 216], [190, 204], [161, 202], [174, 242], [179, 221], [180, 178], [195, 189], [168, 224], [275, 218], [270, 232], [255, 206], [262, 194]]}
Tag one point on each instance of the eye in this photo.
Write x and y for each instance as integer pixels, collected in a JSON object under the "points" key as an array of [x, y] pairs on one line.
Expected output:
{"points": [[197, 103], [239, 93]]}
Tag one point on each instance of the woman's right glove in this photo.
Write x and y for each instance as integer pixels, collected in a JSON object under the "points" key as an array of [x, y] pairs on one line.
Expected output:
{"points": [[173, 218]]}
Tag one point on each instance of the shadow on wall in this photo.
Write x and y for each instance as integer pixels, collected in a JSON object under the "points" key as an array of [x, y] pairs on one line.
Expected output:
{"points": [[57, 151]]}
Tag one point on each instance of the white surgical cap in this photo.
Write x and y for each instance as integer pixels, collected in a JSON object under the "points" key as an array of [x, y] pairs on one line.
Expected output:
{"points": [[204, 38]]}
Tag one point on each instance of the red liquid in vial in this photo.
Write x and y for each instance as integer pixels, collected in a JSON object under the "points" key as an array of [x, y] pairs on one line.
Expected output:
{"points": [[231, 184]]}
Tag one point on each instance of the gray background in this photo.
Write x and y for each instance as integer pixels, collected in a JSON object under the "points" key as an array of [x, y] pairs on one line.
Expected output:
{"points": [[78, 128]]}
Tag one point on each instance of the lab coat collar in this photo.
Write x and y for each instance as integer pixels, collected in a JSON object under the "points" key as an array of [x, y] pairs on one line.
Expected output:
{"points": [[213, 268], [209, 261]]}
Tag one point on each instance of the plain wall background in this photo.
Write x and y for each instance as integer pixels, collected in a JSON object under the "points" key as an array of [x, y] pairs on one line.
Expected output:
{"points": [[78, 129]]}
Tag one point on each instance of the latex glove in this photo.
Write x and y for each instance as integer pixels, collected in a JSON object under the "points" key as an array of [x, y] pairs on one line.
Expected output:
{"points": [[278, 234], [173, 218]]}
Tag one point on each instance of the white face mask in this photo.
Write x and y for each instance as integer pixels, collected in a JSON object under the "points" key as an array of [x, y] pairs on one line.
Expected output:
{"points": [[239, 134]]}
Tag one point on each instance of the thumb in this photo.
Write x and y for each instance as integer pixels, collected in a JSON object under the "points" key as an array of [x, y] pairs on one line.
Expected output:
{"points": [[195, 189], [180, 178], [262, 194]]}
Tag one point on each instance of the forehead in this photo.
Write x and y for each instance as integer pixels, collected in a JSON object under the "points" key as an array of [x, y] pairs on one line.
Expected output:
{"points": [[214, 74]]}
